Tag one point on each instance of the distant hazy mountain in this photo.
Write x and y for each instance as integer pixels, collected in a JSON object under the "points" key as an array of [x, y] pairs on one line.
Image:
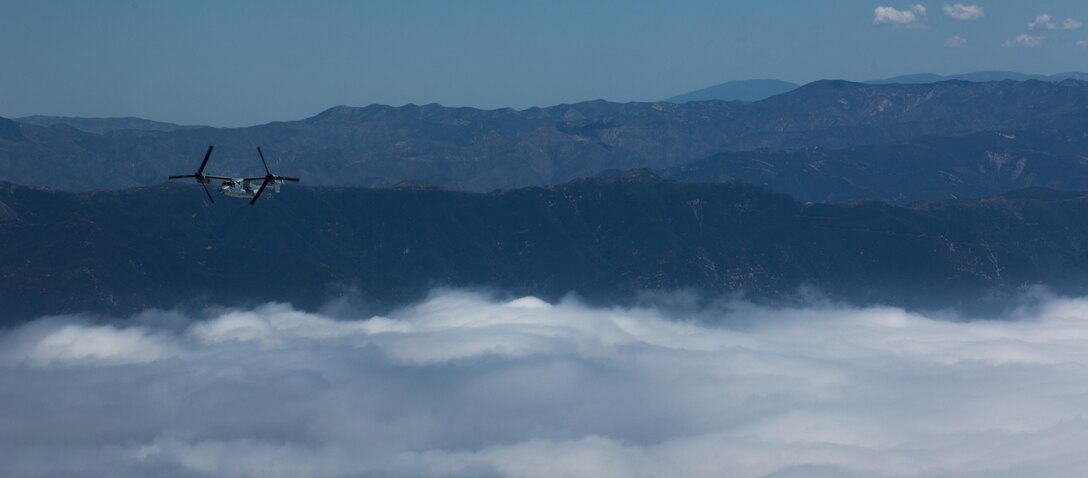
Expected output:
{"points": [[467, 148], [743, 90], [755, 90], [605, 239], [102, 125], [981, 76]]}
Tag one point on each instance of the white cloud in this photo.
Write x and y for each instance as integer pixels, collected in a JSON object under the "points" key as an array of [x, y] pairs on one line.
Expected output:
{"points": [[955, 41], [1083, 43], [912, 16], [1025, 41], [57, 342], [960, 11], [461, 385], [1042, 22]]}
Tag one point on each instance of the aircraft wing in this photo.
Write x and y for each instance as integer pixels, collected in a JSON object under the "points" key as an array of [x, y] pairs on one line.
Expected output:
{"points": [[225, 178]]}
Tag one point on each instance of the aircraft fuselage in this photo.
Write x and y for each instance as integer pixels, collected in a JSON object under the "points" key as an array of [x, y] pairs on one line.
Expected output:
{"points": [[246, 188]]}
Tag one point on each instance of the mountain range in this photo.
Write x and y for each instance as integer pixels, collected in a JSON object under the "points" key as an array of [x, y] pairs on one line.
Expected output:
{"points": [[606, 239], [876, 138], [930, 167], [604, 200]]}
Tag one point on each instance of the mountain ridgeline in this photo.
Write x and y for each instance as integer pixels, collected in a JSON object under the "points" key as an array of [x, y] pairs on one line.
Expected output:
{"points": [[741, 90], [870, 137], [755, 90], [102, 125], [606, 239]]}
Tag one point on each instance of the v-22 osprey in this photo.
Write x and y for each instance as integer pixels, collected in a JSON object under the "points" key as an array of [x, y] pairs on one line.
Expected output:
{"points": [[245, 188]]}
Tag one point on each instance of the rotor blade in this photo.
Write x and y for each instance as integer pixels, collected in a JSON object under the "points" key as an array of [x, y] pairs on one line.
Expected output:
{"points": [[263, 162], [285, 178], [205, 162], [183, 176], [259, 191], [206, 192]]}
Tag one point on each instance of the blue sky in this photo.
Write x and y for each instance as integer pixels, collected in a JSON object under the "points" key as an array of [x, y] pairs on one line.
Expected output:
{"points": [[247, 62]]}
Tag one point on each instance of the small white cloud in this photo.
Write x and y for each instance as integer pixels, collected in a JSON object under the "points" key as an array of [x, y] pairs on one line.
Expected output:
{"points": [[1041, 22], [960, 11], [955, 41], [1025, 41], [891, 16], [1071, 24], [1083, 43]]}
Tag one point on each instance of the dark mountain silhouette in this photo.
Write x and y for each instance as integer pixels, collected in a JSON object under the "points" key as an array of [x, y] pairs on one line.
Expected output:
{"points": [[471, 149], [116, 252], [741, 90]]}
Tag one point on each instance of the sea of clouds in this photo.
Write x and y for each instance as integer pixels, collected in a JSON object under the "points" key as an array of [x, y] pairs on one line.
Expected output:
{"points": [[463, 384]]}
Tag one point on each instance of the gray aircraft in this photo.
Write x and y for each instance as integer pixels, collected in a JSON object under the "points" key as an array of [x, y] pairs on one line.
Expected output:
{"points": [[246, 188]]}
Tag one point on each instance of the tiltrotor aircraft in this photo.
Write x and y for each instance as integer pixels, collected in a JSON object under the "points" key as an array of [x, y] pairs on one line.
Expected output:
{"points": [[238, 187]]}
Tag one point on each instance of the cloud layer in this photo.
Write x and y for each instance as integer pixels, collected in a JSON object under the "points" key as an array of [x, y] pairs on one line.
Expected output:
{"points": [[463, 385]]}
